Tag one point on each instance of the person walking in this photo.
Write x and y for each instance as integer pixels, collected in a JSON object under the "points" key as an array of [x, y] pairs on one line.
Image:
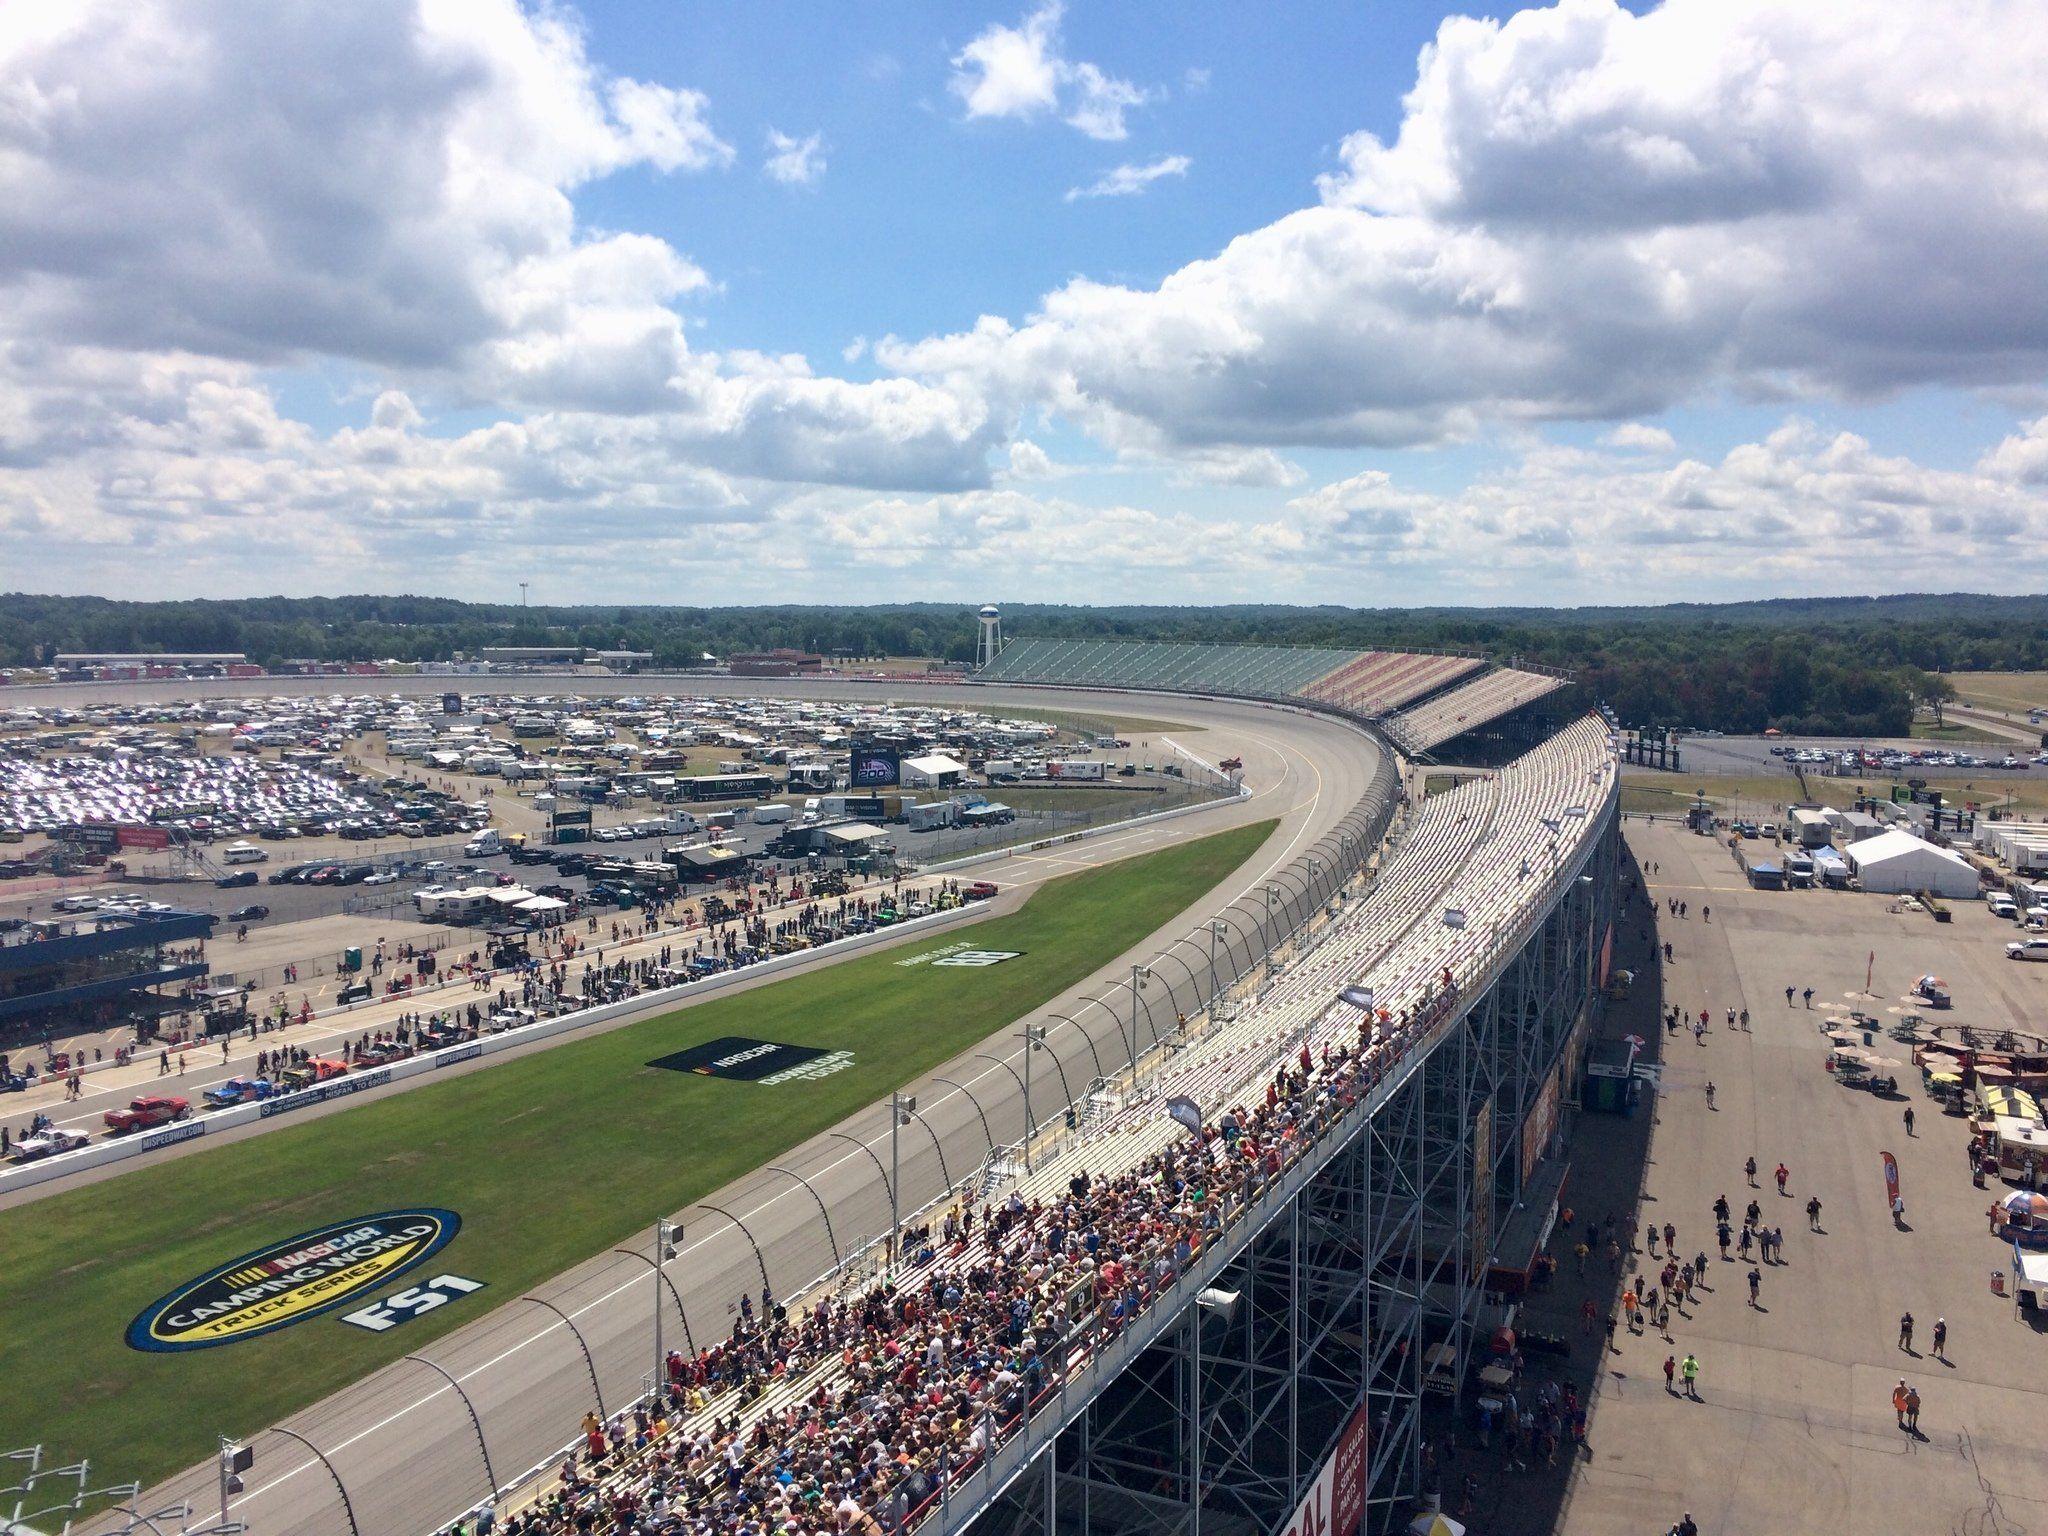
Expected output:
{"points": [[1788, 996], [1749, 1171], [1906, 1333], [1670, 1373], [1808, 995], [1813, 1214], [1756, 1281], [1913, 1409], [1899, 1402], [1782, 1173], [1689, 1368], [1909, 1119], [1941, 1339]]}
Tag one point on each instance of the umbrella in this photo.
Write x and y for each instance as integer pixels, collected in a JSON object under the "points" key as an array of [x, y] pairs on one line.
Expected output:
{"points": [[1435, 1525]]}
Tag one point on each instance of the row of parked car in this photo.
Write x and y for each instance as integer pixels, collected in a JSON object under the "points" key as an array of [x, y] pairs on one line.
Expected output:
{"points": [[153, 1111]]}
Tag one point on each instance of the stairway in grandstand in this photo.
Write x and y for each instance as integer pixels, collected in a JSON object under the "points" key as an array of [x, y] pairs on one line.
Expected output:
{"points": [[1421, 700]]}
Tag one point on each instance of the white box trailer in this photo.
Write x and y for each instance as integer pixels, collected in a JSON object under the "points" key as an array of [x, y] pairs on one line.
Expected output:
{"points": [[771, 815], [1076, 768], [932, 815]]}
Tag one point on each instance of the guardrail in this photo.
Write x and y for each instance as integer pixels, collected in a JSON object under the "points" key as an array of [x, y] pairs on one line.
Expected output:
{"points": [[26, 1175]]}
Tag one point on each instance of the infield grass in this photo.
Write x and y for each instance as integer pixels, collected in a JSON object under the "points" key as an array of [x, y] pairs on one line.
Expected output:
{"points": [[548, 1159]]}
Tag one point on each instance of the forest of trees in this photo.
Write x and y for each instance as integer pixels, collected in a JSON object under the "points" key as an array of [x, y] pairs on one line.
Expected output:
{"points": [[1836, 666]]}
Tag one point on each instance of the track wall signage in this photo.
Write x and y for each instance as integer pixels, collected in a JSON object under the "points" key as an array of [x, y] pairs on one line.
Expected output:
{"points": [[290, 1281]]}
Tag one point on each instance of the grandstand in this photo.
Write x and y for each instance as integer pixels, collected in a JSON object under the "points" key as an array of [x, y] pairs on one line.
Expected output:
{"points": [[1380, 681], [1259, 671], [1422, 699], [1457, 710], [914, 1403]]}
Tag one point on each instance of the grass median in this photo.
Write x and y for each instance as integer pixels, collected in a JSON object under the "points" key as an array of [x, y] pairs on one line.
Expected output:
{"points": [[547, 1160]]}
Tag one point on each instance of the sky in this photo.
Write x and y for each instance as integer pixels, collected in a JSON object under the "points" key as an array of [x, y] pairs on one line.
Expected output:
{"points": [[649, 301]]}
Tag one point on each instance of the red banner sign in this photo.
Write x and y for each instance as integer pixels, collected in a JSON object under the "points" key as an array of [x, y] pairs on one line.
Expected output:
{"points": [[1335, 1504], [144, 837], [1891, 1180]]}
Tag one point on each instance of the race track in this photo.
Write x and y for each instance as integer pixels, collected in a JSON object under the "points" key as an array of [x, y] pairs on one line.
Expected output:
{"points": [[401, 1439]]}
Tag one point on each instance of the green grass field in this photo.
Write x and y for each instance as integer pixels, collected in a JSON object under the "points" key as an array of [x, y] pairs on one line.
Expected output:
{"points": [[2013, 691], [548, 1160], [1924, 729]]}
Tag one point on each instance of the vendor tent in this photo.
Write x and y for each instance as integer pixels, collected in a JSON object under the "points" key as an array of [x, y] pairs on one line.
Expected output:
{"points": [[1896, 862]]}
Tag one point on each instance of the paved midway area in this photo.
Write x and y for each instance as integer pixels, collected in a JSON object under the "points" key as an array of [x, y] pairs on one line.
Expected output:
{"points": [[1794, 1430], [402, 1440]]}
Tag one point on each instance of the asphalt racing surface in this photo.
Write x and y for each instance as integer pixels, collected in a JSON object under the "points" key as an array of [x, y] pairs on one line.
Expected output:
{"points": [[402, 1440]]}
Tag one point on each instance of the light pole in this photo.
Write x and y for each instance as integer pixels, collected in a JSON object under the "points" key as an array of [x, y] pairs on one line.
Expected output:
{"points": [[665, 1235], [1034, 1041], [1269, 893], [1140, 974], [234, 1461], [901, 1107], [1217, 928]]}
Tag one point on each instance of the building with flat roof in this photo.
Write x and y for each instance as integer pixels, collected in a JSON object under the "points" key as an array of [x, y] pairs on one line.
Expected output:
{"points": [[780, 662], [59, 979]]}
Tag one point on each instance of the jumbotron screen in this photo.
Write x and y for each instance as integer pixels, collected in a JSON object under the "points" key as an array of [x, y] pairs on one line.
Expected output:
{"points": [[872, 767]]}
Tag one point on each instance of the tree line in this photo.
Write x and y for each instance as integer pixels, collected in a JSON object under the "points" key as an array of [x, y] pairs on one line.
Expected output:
{"points": [[1822, 666]]}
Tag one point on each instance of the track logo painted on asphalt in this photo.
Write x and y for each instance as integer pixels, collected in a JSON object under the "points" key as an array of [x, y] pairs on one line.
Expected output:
{"points": [[290, 1281], [755, 1061]]}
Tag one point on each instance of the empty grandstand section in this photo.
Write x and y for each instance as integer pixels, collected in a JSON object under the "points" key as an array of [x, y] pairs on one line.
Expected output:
{"points": [[1423, 700]]}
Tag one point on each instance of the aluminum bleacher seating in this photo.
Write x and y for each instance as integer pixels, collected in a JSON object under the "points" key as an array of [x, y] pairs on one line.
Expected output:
{"points": [[1468, 706]]}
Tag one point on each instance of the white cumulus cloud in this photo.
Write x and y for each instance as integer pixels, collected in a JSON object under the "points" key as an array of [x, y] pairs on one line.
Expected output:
{"points": [[1129, 180], [1020, 72], [795, 162]]}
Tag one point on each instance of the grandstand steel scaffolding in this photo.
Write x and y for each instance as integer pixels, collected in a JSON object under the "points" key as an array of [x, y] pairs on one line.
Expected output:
{"points": [[1223, 1414]]}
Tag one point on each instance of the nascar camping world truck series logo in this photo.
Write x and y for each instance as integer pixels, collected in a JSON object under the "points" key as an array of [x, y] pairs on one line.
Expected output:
{"points": [[292, 1280]]}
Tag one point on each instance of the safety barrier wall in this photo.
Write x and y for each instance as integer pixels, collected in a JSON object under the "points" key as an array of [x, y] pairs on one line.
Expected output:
{"points": [[101, 1153]]}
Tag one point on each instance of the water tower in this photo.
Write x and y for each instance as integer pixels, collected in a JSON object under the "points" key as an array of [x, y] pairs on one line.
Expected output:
{"points": [[991, 643]]}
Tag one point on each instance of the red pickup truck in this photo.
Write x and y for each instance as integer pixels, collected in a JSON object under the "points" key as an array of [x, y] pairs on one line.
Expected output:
{"points": [[147, 1112]]}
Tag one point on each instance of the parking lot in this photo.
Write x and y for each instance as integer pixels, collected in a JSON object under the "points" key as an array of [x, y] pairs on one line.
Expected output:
{"points": [[1793, 1430], [1736, 755]]}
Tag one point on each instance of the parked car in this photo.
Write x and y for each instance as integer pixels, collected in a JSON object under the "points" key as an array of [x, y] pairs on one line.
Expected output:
{"points": [[382, 877], [253, 913], [146, 1113], [33, 1149], [239, 878], [981, 890], [238, 1090], [2027, 949]]}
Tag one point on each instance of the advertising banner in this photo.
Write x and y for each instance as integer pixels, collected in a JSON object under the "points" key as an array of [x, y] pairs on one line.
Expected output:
{"points": [[143, 837], [1891, 1180], [1335, 1503], [871, 767]]}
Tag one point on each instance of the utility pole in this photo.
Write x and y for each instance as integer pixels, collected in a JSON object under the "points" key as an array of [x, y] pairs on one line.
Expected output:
{"points": [[234, 1461], [664, 1250], [522, 594], [1034, 1040], [901, 1107], [1140, 974]]}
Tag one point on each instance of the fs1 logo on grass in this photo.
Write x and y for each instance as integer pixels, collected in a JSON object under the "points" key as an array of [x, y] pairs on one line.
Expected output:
{"points": [[293, 1280]]}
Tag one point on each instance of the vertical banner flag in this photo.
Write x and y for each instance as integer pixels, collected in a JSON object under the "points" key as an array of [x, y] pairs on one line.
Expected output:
{"points": [[1186, 1111], [1891, 1180]]}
